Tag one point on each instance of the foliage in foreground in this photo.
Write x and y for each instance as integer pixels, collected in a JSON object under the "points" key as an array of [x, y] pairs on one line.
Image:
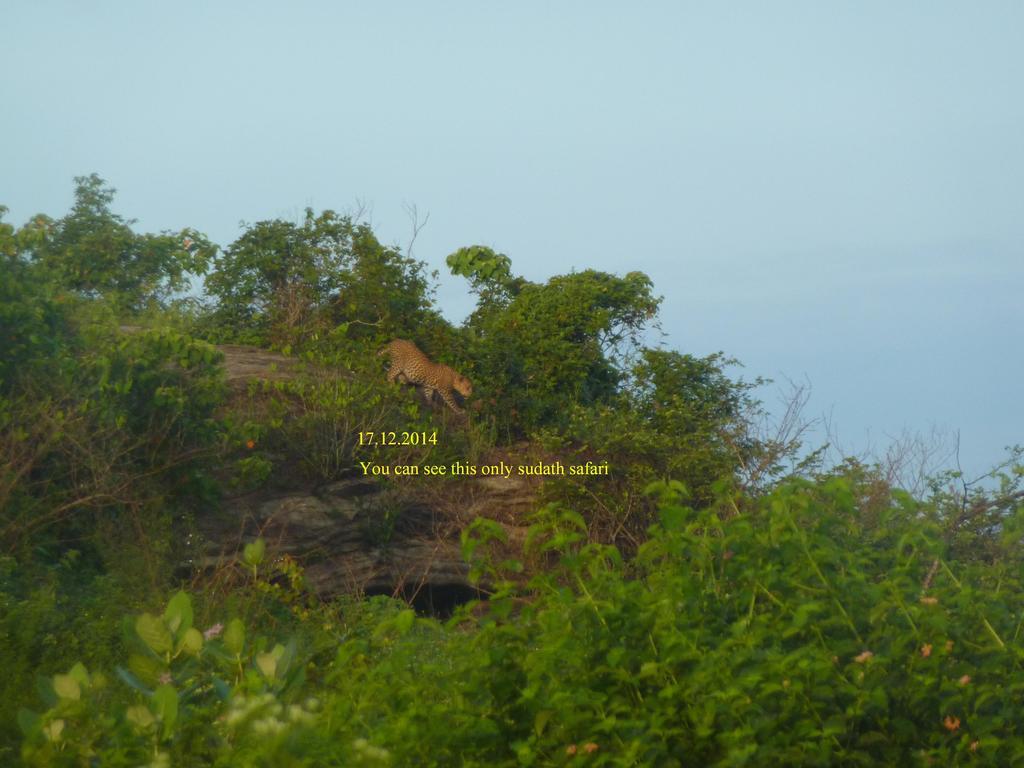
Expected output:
{"points": [[799, 633]]}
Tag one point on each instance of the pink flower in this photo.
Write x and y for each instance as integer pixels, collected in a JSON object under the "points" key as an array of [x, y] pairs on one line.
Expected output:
{"points": [[926, 650], [863, 657], [213, 631], [165, 678], [965, 680]]}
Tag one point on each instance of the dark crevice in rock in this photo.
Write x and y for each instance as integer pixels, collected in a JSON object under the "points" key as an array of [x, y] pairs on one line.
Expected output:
{"points": [[437, 600]]}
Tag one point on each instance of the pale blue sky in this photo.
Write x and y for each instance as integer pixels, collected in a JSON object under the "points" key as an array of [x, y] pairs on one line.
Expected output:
{"points": [[824, 190]]}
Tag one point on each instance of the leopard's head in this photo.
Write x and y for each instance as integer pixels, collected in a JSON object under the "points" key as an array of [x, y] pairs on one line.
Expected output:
{"points": [[462, 385]]}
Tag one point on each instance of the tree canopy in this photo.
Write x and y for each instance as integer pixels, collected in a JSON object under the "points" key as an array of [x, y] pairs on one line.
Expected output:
{"points": [[94, 251], [282, 283]]}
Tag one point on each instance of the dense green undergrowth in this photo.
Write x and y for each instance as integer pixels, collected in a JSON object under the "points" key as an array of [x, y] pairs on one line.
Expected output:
{"points": [[795, 634]]}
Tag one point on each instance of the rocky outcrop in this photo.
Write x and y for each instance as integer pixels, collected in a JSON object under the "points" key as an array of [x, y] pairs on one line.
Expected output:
{"points": [[244, 363], [355, 536]]}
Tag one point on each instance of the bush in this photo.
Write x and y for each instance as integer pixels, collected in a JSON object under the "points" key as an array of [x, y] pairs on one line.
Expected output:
{"points": [[93, 252], [97, 425], [677, 417], [538, 350], [292, 285], [216, 696], [793, 634]]}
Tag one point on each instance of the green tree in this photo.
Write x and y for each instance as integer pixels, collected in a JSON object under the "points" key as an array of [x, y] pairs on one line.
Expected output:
{"points": [[285, 283], [542, 348], [32, 326], [489, 273], [676, 417], [92, 424], [95, 253]]}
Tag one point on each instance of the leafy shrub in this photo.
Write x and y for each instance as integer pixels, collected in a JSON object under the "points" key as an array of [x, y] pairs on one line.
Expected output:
{"points": [[97, 430], [121, 427], [678, 417], [793, 633], [790, 635], [48, 615], [540, 349], [288, 285], [94, 252], [184, 681]]}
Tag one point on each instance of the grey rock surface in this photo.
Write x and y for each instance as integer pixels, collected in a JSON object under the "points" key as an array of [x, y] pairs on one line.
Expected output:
{"points": [[355, 536]]}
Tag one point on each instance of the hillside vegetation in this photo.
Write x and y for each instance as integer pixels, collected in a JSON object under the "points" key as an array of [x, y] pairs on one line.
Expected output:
{"points": [[721, 597]]}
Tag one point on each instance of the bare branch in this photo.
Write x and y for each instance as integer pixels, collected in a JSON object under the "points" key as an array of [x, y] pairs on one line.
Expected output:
{"points": [[778, 439], [414, 217], [363, 212], [912, 458]]}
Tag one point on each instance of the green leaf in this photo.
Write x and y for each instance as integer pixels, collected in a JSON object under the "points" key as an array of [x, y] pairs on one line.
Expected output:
{"points": [[178, 614], [234, 636], [67, 687], [165, 700], [53, 730], [222, 689], [132, 680], [253, 552], [615, 656], [267, 664], [139, 716], [28, 721], [44, 687], [148, 669], [79, 673], [192, 641], [285, 658], [541, 720], [649, 668], [153, 633], [404, 620]]}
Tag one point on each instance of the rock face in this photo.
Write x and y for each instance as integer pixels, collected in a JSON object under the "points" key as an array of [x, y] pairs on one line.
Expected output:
{"points": [[244, 363], [356, 537]]}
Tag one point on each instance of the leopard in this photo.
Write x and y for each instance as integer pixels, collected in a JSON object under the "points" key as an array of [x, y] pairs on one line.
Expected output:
{"points": [[411, 366]]}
